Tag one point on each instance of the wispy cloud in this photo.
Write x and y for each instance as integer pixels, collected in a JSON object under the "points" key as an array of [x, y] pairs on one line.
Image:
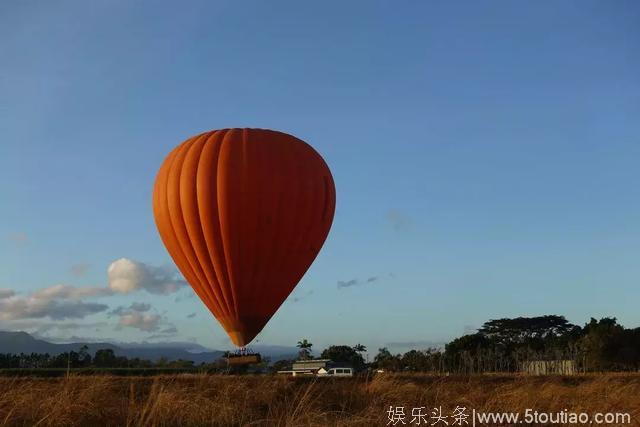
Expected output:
{"points": [[299, 297], [62, 291], [342, 284], [347, 283], [33, 307], [19, 239], [139, 307], [415, 345], [188, 295], [73, 339], [79, 270], [52, 330], [398, 220], [169, 330], [66, 326], [6, 293]]}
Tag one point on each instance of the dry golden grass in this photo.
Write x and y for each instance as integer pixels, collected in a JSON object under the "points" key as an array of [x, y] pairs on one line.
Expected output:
{"points": [[204, 400]]}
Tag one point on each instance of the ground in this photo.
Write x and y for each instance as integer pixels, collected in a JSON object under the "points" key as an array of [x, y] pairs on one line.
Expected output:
{"points": [[218, 400]]}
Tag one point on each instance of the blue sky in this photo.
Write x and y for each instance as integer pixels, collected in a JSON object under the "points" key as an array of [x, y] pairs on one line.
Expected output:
{"points": [[485, 156]]}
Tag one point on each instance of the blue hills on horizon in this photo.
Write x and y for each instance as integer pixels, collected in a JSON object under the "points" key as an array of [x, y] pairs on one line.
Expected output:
{"points": [[16, 342]]}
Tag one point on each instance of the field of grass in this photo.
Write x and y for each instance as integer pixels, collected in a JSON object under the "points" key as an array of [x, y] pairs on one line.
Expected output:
{"points": [[218, 400]]}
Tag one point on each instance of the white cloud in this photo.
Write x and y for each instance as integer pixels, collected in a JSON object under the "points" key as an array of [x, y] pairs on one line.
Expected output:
{"points": [[126, 276], [143, 321], [55, 302], [138, 316], [61, 301]]}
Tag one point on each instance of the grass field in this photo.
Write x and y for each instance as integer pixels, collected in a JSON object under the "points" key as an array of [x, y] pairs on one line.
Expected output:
{"points": [[216, 400]]}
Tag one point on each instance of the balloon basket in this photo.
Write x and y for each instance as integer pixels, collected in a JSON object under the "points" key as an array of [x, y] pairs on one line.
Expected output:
{"points": [[243, 357]]}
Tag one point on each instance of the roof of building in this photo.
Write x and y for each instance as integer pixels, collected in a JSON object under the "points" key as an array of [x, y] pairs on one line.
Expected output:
{"points": [[312, 360], [315, 364]]}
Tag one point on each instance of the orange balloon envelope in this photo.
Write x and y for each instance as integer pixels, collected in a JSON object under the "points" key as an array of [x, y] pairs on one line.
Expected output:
{"points": [[243, 213]]}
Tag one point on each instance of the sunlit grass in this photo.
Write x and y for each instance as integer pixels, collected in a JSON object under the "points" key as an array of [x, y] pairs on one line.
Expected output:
{"points": [[217, 400]]}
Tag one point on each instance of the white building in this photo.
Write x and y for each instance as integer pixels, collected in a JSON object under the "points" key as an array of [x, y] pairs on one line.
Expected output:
{"points": [[319, 367]]}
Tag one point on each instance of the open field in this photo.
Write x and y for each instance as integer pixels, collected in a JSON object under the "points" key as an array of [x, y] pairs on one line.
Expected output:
{"points": [[216, 400]]}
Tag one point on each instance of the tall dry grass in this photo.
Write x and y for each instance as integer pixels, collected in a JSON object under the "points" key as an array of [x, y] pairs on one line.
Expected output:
{"points": [[204, 400]]}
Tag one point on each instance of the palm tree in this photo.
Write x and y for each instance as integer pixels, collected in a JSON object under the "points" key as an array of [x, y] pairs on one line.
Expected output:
{"points": [[305, 349], [361, 349]]}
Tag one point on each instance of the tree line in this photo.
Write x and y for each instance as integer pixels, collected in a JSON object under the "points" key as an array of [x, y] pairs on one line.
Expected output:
{"points": [[504, 345], [500, 345], [103, 358]]}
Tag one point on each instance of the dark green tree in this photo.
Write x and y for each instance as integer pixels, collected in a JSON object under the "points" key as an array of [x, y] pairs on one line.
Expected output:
{"points": [[601, 344], [521, 329], [344, 354], [84, 357], [386, 361], [105, 358], [281, 365]]}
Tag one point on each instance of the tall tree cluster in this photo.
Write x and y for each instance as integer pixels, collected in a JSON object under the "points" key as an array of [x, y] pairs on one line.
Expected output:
{"points": [[503, 345]]}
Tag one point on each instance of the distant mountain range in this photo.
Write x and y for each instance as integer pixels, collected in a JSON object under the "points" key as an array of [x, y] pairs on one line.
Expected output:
{"points": [[22, 342]]}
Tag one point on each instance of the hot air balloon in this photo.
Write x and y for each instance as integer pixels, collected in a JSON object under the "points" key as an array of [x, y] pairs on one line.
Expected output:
{"points": [[243, 213]]}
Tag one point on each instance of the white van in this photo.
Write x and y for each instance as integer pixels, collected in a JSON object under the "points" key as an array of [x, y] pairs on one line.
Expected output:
{"points": [[336, 372]]}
